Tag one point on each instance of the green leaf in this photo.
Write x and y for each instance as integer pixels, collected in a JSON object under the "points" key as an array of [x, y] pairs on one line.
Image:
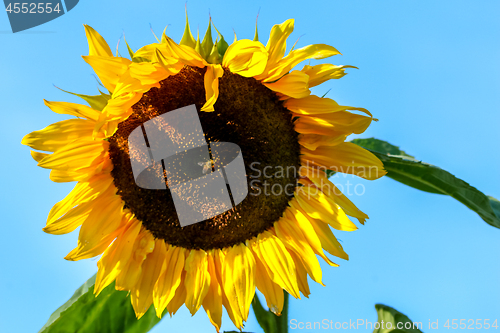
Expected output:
{"points": [[269, 322], [495, 205], [110, 312], [429, 178], [380, 146], [97, 102], [389, 319]]}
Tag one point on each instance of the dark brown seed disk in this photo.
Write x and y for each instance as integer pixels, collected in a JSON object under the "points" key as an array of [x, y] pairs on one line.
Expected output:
{"points": [[246, 113]]}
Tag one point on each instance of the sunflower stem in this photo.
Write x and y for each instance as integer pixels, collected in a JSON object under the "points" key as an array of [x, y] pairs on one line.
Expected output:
{"points": [[283, 319]]}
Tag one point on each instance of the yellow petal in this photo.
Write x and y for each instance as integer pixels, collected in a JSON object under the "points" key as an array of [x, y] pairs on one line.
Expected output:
{"points": [[315, 126], [128, 84], [246, 58], [117, 109], [73, 109], [277, 261], [129, 275], [272, 292], [315, 51], [340, 122], [328, 240], [319, 206], [294, 240], [179, 297], [169, 64], [82, 192], [324, 72], [76, 155], [98, 166], [233, 312], [70, 221], [319, 179], [142, 294], [276, 45], [117, 255], [69, 213], [140, 77], [239, 278], [147, 51], [302, 224], [301, 274], [97, 44], [169, 280], [346, 158], [64, 176], [294, 84], [108, 69], [212, 75], [184, 53], [37, 156], [59, 134], [213, 300], [197, 279], [99, 229], [313, 105], [172, 50], [313, 141]]}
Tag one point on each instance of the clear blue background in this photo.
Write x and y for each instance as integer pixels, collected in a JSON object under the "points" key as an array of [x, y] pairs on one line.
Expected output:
{"points": [[429, 70]]}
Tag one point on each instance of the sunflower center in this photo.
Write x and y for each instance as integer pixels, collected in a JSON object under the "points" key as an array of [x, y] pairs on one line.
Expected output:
{"points": [[247, 114]]}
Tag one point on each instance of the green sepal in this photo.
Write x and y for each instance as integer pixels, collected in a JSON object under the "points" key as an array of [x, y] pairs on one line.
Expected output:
{"points": [[130, 52], [187, 38], [117, 54], [214, 57], [326, 93], [222, 45], [151, 28], [140, 59], [198, 47], [207, 43], [295, 44], [256, 36], [97, 102], [164, 35]]}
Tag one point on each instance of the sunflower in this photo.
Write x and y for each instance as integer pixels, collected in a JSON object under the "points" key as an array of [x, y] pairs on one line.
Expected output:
{"points": [[245, 93]]}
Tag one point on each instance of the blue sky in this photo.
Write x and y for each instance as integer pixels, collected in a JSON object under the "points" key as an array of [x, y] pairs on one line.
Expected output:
{"points": [[428, 70]]}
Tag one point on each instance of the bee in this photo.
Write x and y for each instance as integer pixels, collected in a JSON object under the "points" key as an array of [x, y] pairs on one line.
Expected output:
{"points": [[207, 166]]}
